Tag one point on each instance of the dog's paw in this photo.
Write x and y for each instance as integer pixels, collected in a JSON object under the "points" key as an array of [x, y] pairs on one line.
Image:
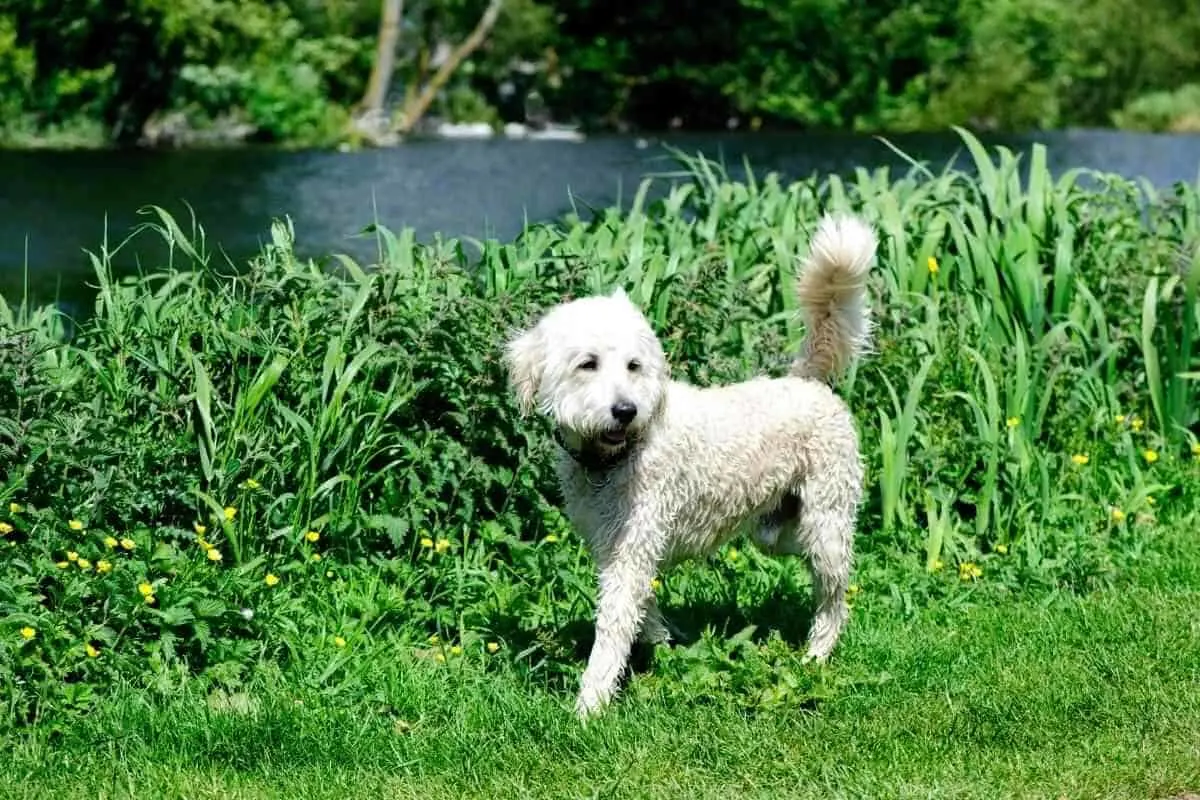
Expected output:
{"points": [[589, 704], [812, 657]]}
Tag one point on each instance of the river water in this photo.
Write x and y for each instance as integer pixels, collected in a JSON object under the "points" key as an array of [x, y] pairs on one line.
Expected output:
{"points": [[55, 205]]}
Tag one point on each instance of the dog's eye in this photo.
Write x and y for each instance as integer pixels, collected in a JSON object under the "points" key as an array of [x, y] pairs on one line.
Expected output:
{"points": [[634, 366], [588, 364]]}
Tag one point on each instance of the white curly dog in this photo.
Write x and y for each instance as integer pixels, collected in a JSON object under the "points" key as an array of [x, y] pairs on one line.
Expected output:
{"points": [[655, 471]]}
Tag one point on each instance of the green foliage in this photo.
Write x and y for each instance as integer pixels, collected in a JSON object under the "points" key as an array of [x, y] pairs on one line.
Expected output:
{"points": [[289, 70], [1177, 110], [880, 65], [292, 70], [17, 67], [297, 456]]}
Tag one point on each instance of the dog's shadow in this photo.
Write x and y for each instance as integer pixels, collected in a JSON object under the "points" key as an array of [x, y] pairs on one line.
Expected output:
{"points": [[786, 611], [557, 653]]}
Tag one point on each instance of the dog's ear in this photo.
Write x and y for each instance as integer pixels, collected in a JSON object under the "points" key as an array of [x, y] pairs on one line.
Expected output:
{"points": [[524, 359]]}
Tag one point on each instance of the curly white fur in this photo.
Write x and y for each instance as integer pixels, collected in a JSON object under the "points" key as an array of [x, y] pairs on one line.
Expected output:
{"points": [[655, 471]]}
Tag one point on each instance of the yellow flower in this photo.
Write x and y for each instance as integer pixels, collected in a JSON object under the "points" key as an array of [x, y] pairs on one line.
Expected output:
{"points": [[204, 545], [199, 529], [1013, 422], [91, 651], [1150, 455], [442, 545], [438, 657], [251, 483], [852, 591], [103, 566], [936, 566], [214, 554], [1118, 515], [149, 599], [230, 513], [492, 647], [75, 525], [1150, 500], [312, 536], [128, 544], [1002, 548], [110, 542], [1119, 419], [1080, 459], [84, 563], [426, 542], [5, 528], [550, 538], [62, 564], [1137, 423], [28, 633], [72, 555], [933, 265], [455, 650], [15, 508], [655, 584], [145, 589], [733, 554], [271, 579], [969, 570], [1196, 450], [338, 641], [434, 639], [316, 556]]}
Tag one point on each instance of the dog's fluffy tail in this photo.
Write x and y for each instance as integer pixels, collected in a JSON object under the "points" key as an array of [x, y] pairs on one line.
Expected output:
{"points": [[832, 289]]}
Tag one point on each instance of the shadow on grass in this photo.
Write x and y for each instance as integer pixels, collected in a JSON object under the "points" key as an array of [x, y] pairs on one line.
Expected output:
{"points": [[556, 655], [786, 610]]}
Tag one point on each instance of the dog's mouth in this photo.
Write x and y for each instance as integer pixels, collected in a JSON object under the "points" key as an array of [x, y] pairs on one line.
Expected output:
{"points": [[615, 437]]}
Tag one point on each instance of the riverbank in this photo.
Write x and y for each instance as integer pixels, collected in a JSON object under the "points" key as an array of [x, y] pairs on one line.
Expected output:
{"points": [[1159, 113]]}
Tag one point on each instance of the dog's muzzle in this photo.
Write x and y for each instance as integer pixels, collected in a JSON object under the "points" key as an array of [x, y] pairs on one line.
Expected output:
{"points": [[624, 412]]}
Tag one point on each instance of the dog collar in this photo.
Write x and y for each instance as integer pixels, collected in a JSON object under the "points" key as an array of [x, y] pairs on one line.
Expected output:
{"points": [[592, 462]]}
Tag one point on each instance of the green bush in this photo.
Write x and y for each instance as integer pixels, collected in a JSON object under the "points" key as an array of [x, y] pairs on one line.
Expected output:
{"points": [[221, 469], [1177, 110]]}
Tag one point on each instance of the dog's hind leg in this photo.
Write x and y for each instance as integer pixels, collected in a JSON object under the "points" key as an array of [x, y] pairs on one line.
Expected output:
{"points": [[821, 529], [655, 628], [826, 535]]}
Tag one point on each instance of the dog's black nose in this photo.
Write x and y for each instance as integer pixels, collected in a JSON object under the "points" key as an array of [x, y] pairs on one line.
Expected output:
{"points": [[624, 412]]}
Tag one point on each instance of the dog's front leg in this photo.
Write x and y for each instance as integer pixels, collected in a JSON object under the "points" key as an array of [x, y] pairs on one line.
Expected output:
{"points": [[625, 591]]}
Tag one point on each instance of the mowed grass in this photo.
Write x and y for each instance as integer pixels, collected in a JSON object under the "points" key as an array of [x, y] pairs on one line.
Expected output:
{"points": [[1058, 695]]}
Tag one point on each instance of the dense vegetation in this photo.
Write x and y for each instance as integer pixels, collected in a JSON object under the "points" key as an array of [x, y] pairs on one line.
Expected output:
{"points": [[311, 477], [294, 70]]}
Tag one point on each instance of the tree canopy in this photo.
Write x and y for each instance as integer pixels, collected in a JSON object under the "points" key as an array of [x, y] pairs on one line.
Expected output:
{"points": [[295, 71]]}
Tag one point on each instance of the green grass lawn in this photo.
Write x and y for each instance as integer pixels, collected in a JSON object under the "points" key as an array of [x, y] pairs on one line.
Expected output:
{"points": [[1057, 695]]}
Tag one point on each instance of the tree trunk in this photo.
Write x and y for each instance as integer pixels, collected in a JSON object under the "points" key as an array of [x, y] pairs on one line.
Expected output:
{"points": [[385, 58], [417, 105]]}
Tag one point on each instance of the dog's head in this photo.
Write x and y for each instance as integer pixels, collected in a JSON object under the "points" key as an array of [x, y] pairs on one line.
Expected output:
{"points": [[595, 367]]}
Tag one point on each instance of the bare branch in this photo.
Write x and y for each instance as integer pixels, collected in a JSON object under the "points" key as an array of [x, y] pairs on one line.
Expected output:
{"points": [[416, 107], [385, 58]]}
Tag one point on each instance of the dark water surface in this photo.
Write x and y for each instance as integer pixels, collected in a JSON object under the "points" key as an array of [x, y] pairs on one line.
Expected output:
{"points": [[54, 205]]}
